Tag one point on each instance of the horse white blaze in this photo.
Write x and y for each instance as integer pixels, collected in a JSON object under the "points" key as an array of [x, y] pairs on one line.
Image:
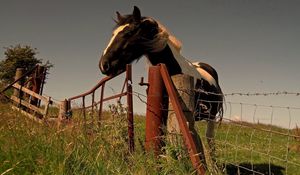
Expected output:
{"points": [[115, 33]]}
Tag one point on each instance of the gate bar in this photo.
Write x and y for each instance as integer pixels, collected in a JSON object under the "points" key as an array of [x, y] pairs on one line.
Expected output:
{"points": [[190, 144]]}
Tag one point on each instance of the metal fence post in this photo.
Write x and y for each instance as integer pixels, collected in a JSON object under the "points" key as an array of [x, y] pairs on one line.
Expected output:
{"points": [[130, 108], [154, 113]]}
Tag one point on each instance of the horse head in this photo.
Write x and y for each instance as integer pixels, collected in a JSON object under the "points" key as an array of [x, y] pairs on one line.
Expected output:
{"points": [[129, 41]]}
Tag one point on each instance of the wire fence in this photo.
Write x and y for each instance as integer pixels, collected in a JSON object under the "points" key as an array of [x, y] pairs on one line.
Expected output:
{"points": [[252, 138], [258, 138], [250, 145], [255, 138]]}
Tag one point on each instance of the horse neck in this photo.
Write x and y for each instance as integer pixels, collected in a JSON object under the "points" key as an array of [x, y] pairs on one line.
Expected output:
{"points": [[166, 57], [177, 64]]}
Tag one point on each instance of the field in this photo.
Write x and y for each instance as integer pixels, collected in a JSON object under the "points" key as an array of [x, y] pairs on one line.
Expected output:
{"points": [[257, 148], [84, 148]]}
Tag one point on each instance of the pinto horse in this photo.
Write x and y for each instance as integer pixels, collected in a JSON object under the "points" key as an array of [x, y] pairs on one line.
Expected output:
{"points": [[135, 36]]}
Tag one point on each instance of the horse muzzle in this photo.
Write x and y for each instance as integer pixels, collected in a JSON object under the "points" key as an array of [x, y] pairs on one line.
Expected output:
{"points": [[104, 65]]}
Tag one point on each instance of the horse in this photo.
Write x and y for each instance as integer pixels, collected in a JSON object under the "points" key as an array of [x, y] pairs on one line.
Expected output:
{"points": [[135, 36]]}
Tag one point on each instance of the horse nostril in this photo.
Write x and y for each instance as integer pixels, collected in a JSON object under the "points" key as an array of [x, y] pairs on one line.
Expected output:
{"points": [[105, 66]]}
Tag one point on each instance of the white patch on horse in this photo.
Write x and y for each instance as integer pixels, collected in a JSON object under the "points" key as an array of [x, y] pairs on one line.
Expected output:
{"points": [[165, 37], [189, 69], [115, 33], [206, 76]]}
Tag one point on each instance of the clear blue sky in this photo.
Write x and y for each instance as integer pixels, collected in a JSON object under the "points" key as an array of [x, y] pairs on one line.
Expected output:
{"points": [[253, 44]]}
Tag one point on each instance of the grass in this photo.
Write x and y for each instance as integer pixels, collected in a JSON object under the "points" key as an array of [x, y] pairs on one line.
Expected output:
{"points": [[30, 148], [245, 147]]}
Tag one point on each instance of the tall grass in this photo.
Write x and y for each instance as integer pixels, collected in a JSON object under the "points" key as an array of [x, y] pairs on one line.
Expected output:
{"points": [[30, 148], [83, 147]]}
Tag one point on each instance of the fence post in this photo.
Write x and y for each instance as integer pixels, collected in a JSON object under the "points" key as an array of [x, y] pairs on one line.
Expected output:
{"points": [[19, 73], [37, 79], [185, 88], [63, 109], [47, 107], [154, 113]]}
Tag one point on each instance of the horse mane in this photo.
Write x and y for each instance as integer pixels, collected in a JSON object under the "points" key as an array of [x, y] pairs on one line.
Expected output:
{"points": [[171, 38], [163, 38]]}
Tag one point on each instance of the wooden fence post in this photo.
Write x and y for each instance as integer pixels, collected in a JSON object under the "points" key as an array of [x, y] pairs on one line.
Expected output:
{"points": [[63, 109], [47, 107], [38, 80], [19, 73], [185, 88]]}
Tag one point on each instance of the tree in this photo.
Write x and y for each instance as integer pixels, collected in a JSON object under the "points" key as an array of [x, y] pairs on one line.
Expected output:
{"points": [[18, 57]]}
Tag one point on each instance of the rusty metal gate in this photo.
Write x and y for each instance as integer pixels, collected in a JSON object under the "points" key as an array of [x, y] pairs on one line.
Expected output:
{"points": [[126, 91]]}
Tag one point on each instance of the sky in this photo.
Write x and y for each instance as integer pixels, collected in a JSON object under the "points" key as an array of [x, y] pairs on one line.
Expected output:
{"points": [[253, 44]]}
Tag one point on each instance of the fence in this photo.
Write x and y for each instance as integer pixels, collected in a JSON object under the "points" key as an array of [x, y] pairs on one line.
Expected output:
{"points": [[36, 110], [96, 106], [26, 95], [255, 138], [250, 140], [161, 78]]}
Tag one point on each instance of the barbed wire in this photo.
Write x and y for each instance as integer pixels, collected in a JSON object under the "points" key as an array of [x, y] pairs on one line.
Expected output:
{"points": [[143, 98], [140, 96], [248, 93], [262, 93]]}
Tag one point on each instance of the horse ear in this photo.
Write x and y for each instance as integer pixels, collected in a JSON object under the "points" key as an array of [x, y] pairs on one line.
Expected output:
{"points": [[119, 16], [136, 14]]}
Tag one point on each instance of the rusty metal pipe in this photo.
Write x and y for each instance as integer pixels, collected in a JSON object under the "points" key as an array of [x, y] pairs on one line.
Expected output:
{"points": [[130, 108], [114, 96], [105, 79], [101, 105], [154, 113]]}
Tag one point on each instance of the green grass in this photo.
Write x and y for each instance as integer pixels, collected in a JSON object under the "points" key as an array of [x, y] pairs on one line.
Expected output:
{"points": [[30, 148], [253, 146]]}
